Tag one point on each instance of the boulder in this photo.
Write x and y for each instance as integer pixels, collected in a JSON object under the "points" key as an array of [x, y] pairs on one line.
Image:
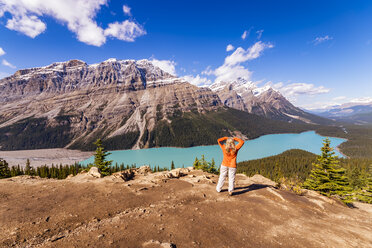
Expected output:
{"points": [[125, 175], [94, 172], [144, 170], [179, 172]]}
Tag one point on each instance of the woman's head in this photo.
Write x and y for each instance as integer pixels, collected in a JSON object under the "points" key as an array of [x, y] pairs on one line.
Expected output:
{"points": [[230, 145]]}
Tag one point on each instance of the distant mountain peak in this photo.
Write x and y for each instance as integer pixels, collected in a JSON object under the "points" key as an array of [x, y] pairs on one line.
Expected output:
{"points": [[244, 95]]}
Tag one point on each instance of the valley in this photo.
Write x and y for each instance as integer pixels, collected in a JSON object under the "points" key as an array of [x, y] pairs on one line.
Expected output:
{"points": [[132, 105]]}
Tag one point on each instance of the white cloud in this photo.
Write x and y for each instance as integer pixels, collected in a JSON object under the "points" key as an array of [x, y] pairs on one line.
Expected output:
{"points": [[79, 15], [31, 26], [320, 39], [362, 100], [6, 63], [240, 55], [126, 10], [226, 73], [232, 68], [208, 71], [198, 81], [229, 48], [259, 33], [245, 34], [338, 101], [2, 52], [166, 65], [293, 90], [319, 105], [127, 30], [339, 98]]}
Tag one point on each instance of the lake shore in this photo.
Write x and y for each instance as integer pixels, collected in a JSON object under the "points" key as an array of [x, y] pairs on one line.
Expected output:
{"points": [[41, 157], [185, 158]]}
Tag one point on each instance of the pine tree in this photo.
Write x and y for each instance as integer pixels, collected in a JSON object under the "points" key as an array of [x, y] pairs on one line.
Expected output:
{"points": [[365, 193], [28, 167], [356, 179], [212, 167], [172, 165], [4, 169], [100, 158], [327, 176], [278, 172], [196, 163]]}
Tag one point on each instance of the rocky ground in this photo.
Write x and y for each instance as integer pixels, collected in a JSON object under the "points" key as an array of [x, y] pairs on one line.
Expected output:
{"points": [[40, 157], [173, 209]]}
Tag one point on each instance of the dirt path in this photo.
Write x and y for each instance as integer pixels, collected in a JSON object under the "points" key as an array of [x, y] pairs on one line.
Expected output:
{"points": [[152, 211], [44, 156]]}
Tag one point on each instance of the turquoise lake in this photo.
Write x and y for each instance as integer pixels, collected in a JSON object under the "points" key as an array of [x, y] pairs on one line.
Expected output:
{"points": [[261, 147]]}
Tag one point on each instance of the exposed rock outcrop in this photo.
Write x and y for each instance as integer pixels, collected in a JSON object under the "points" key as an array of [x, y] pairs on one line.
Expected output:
{"points": [[184, 212], [94, 172]]}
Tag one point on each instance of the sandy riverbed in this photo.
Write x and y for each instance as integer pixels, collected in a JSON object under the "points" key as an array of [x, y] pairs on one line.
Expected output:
{"points": [[44, 156]]}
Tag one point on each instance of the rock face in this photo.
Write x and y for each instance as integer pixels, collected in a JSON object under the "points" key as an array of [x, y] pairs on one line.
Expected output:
{"points": [[244, 95], [131, 105], [77, 102], [94, 172]]}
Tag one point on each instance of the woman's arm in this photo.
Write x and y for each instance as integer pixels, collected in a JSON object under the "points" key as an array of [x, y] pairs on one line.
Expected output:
{"points": [[240, 144], [220, 140]]}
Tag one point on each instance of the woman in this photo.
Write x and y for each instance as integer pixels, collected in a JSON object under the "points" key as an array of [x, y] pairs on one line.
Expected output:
{"points": [[228, 166]]}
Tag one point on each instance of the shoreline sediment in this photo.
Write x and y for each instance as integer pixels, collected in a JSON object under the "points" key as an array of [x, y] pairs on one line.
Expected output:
{"points": [[41, 157]]}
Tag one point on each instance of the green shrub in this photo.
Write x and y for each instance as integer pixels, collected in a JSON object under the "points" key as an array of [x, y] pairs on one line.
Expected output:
{"points": [[204, 165]]}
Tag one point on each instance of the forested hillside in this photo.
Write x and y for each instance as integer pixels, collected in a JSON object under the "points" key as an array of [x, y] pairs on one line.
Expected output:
{"points": [[297, 164]]}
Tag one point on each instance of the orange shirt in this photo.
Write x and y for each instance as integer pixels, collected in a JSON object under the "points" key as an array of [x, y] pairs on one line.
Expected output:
{"points": [[229, 158]]}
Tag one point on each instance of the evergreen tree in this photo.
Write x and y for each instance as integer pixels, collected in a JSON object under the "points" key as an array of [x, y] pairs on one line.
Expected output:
{"points": [[172, 165], [4, 169], [278, 173], [28, 167], [204, 165], [357, 179], [212, 167], [196, 163], [100, 158], [365, 194], [327, 176]]}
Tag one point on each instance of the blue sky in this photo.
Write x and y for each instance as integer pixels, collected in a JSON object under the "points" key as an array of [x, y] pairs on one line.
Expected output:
{"points": [[317, 53]]}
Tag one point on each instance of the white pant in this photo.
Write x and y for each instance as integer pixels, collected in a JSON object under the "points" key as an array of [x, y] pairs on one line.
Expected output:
{"points": [[223, 174]]}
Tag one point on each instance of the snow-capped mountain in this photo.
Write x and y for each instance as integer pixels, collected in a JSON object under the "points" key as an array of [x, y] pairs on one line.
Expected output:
{"points": [[131, 104], [265, 101], [75, 103]]}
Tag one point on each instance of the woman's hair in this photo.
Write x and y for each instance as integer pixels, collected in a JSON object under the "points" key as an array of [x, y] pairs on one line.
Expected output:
{"points": [[230, 145]]}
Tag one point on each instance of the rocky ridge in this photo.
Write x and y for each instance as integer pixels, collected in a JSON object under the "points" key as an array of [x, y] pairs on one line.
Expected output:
{"points": [[131, 105], [108, 99], [264, 101], [173, 209]]}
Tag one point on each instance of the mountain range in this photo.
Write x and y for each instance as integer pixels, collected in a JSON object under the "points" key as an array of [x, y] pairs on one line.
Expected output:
{"points": [[352, 112], [265, 101], [134, 104]]}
